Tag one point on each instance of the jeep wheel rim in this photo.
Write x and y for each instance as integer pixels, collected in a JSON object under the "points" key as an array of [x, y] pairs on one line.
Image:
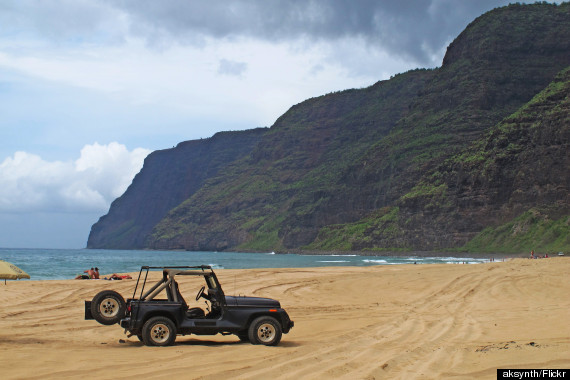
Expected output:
{"points": [[160, 333], [266, 332], [109, 307]]}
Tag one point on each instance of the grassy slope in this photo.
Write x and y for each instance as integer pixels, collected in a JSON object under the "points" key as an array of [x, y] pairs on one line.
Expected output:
{"points": [[532, 230]]}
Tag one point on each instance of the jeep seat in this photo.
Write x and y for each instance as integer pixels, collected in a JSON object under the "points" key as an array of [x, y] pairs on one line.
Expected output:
{"points": [[195, 312]]}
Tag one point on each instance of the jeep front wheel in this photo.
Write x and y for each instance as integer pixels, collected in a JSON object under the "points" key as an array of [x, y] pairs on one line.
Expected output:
{"points": [[159, 331], [265, 330], [108, 307]]}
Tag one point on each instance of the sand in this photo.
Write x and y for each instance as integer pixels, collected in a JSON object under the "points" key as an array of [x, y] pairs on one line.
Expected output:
{"points": [[384, 322]]}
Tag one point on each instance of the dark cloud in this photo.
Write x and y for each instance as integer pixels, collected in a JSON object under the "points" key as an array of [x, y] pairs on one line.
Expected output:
{"points": [[415, 30], [410, 29]]}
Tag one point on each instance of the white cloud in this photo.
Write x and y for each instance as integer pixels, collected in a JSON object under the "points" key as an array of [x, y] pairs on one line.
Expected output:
{"points": [[101, 173]]}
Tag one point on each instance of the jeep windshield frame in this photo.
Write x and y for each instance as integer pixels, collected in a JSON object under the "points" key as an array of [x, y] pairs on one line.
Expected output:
{"points": [[168, 280]]}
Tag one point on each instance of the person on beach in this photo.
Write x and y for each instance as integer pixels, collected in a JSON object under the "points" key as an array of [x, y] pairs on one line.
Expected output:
{"points": [[115, 276], [90, 273]]}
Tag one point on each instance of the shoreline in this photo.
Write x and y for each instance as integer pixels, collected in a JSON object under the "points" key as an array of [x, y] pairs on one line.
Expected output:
{"points": [[423, 254], [66, 264]]}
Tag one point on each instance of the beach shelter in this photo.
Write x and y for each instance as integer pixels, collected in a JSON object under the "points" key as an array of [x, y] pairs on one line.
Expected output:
{"points": [[11, 272]]}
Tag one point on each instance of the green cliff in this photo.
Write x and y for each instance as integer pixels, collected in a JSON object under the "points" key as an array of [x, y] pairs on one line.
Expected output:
{"points": [[168, 178], [449, 158]]}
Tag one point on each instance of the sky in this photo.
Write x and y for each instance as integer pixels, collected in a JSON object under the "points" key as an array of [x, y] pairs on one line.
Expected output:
{"points": [[88, 88]]}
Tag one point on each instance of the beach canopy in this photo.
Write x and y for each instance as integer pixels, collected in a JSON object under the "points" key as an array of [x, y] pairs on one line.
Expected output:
{"points": [[11, 272]]}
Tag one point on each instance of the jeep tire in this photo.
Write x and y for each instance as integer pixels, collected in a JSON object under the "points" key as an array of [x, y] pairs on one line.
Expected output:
{"points": [[108, 307], [265, 330], [159, 331]]}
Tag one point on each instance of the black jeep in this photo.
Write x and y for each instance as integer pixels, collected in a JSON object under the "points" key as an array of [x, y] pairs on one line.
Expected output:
{"points": [[156, 321]]}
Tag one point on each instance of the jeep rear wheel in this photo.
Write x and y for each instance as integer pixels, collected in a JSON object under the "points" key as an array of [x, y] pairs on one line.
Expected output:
{"points": [[108, 307], [265, 330], [159, 331]]}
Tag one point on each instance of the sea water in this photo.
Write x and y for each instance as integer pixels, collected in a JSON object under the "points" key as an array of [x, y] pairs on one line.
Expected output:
{"points": [[59, 264]]}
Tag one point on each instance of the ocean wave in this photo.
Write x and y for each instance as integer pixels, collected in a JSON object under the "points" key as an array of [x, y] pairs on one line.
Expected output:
{"points": [[454, 259], [374, 261]]}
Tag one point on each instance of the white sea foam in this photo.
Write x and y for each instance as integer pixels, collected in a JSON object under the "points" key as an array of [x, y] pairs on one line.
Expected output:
{"points": [[464, 261], [454, 259], [374, 261]]}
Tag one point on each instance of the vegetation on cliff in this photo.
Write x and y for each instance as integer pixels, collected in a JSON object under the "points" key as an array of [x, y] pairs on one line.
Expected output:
{"points": [[507, 191]]}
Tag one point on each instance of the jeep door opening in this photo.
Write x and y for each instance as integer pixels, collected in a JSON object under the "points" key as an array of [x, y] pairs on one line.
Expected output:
{"points": [[157, 321]]}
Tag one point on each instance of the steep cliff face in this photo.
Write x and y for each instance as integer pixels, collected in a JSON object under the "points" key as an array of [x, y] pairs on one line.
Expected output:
{"points": [[385, 167], [167, 178], [495, 66], [269, 199], [492, 196]]}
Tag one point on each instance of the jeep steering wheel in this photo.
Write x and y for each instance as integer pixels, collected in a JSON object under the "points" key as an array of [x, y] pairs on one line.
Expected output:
{"points": [[200, 293]]}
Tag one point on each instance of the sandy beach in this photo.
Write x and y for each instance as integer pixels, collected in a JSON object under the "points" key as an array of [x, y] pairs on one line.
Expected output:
{"points": [[384, 322]]}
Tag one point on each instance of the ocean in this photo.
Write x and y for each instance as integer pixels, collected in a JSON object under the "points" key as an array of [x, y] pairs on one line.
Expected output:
{"points": [[60, 264]]}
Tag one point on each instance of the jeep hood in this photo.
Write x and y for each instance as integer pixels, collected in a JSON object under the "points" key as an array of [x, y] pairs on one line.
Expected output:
{"points": [[252, 302]]}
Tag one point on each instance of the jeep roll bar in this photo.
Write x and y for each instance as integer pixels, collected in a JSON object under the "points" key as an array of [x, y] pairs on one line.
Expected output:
{"points": [[168, 274]]}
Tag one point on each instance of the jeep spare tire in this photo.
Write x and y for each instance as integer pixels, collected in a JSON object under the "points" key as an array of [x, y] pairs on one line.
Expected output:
{"points": [[108, 307]]}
